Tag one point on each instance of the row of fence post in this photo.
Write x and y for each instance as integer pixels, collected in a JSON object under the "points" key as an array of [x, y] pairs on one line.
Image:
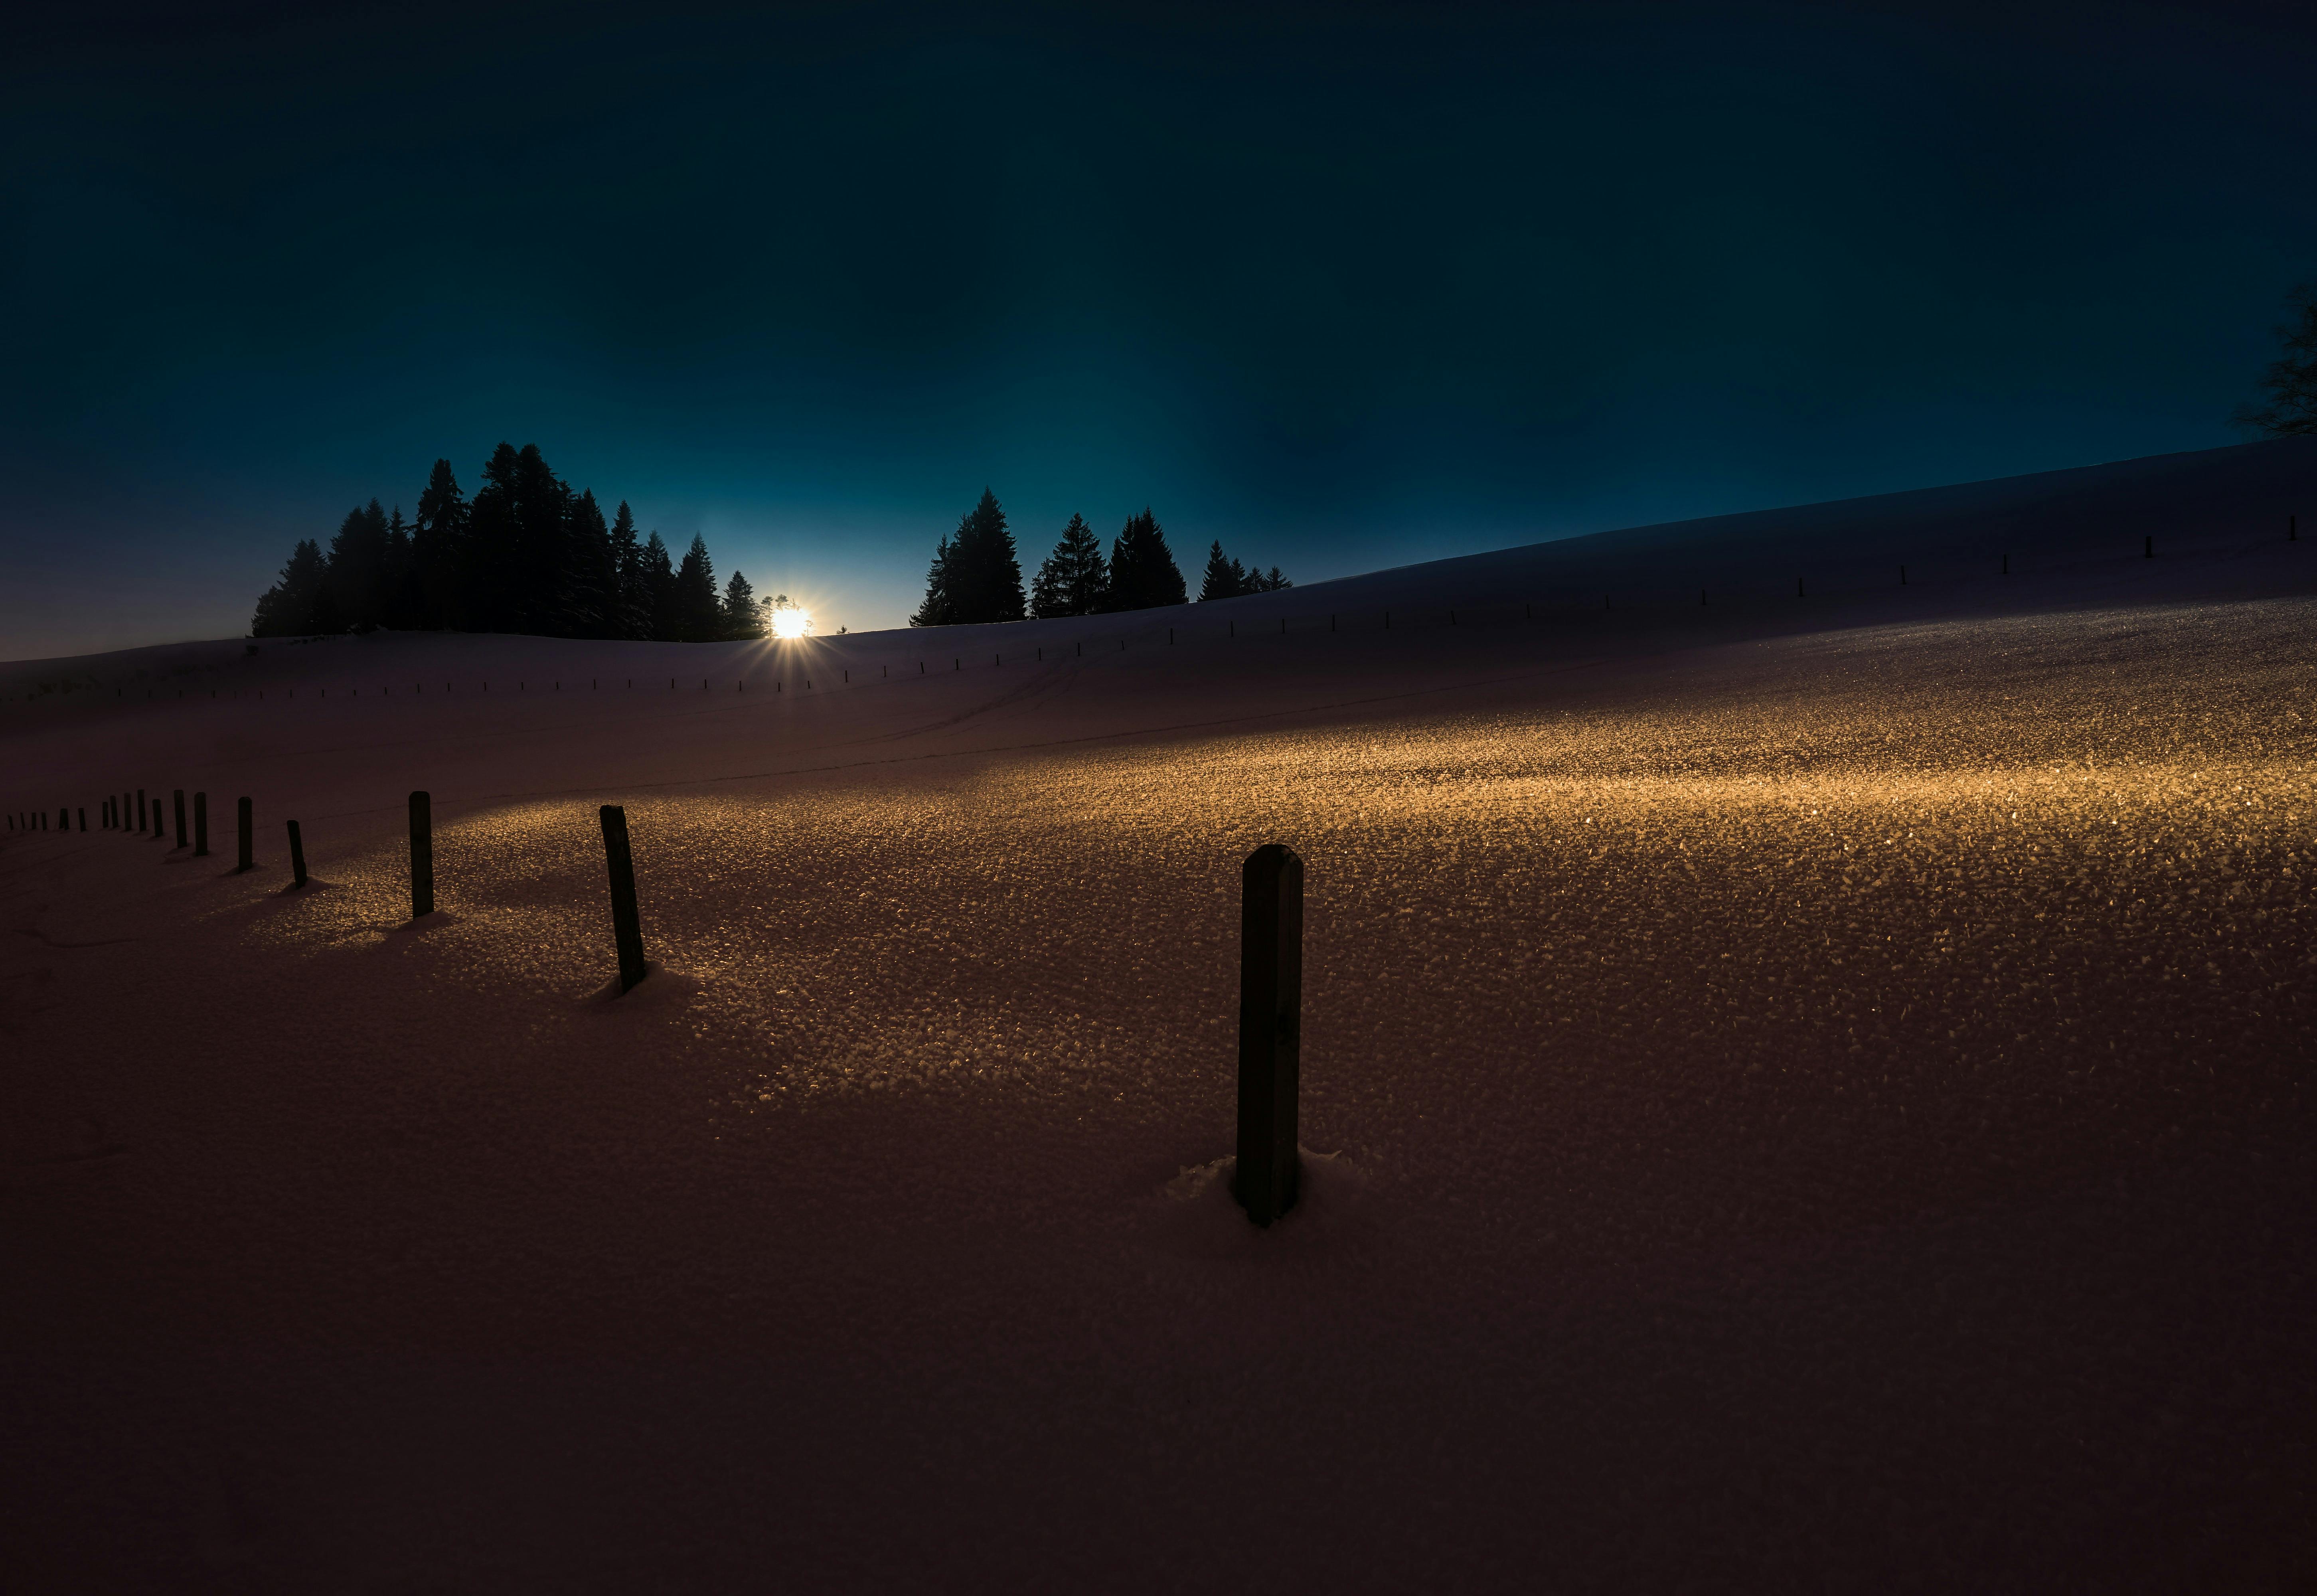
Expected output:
{"points": [[1266, 1179]]}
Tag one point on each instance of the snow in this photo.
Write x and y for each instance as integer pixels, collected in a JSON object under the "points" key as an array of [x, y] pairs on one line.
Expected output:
{"points": [[1795, 1091]]}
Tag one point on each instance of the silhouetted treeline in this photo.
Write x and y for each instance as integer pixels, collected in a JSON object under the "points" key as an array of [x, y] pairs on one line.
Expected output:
{"points": [[977, 574], [527, 554]]}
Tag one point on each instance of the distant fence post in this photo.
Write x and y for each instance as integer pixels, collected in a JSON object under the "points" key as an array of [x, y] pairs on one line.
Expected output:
{"points": [[180, 792], [627, 925], [2148, 547], [421, 855], [248, 842], [297, 856], [84, 818], [1270, 1030], [201, 825]]}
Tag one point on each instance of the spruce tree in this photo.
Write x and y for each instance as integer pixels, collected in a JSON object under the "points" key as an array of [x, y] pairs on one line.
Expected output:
{"points": [[438, 551], [1224, 579], [992, 588], [631, 599], [1074, 578], [666, 620], [402, 607], [545, 591], [977, 573], [495, 572], [287, 609], [1143, 574], [743, 619], [590, 597], [699, 617], [355, 586], [1268, 583]]}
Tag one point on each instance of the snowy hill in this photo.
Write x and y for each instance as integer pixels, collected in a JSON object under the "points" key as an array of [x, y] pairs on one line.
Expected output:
{"points": [[1799, 1090]]}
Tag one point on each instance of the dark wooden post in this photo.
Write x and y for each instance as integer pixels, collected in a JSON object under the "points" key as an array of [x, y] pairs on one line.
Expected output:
{"points": [[2148, 547], [627, 926], [84, 818], [421, 855], [248, 842], [297, 856], [201, 825], [2006, 565], [180, 792], [1270, 1030]]}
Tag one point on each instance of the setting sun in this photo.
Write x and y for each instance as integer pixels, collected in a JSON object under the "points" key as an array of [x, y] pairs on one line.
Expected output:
{"points": [[791, 621]]}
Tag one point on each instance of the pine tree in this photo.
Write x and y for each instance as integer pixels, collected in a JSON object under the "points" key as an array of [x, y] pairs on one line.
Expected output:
{"points": [[633, 599], [287, 608], [1271, 583], [1074, 578], [743, 619], [666, 620], [438, 552], [977, 573], [355, 586], [1143, 574], [1225, 579], [494, 571], [589, 600], [699, 617], [2292, 379], [402, 606], [543, 590]]}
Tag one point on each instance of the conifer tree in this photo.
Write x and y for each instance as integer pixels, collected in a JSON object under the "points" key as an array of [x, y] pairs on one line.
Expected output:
{"points": [[743, 618], [1074, 578], [494, 574], [287, 608], [977, 573], [590, 595], [1143, 574], [1225, 579], [633, 600], [401, 607], [355, 586], [438, 549], [699, 617], [659, 591]]}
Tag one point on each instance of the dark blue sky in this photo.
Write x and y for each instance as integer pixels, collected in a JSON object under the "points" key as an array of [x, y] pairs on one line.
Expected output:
{"points": [[1346, 287]]}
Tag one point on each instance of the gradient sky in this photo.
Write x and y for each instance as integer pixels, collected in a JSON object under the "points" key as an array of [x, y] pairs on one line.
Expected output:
{"points": [[1346, 287]]}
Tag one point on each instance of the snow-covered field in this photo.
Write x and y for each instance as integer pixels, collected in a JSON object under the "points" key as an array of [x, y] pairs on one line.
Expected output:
{"points": [[1814, 1091]]}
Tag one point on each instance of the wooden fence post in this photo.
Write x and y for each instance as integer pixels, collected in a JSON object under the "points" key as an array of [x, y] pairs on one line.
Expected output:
{"points": [[421, 855], [297, 856], [201, 825], [627, 925], [1270, 1030], [248, 842]]}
